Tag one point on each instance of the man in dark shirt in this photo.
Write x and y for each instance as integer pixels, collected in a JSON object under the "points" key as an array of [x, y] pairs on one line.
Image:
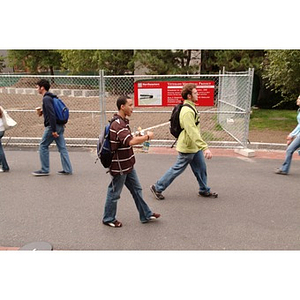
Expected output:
{"points": [[52, 132], [122, 167]]}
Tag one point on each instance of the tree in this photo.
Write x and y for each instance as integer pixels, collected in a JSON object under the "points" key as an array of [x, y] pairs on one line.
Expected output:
{"points": [[232, 60], [163, 62], [113, 62], [2, 65], [241, 60], [35, 61], [282, 69], [79, 61]]}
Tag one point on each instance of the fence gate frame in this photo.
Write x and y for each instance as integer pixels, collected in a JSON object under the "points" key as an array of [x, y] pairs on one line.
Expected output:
{"points": [[222, 95]]}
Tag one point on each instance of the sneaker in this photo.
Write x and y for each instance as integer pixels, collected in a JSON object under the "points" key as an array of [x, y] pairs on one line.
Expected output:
{"points": [[157, 195], [1, 171], [64, 173], [278, 171], [153, 217], [40, 173]]}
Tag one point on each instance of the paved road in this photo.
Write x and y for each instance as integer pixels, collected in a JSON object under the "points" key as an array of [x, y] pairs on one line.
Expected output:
{"points": [[256, 209]]}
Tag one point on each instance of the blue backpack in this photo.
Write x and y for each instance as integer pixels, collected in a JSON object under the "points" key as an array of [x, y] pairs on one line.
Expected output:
{"points": [[61, 111]]}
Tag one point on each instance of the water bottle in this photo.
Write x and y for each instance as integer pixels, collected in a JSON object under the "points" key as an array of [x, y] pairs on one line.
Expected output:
{"points": [[146, 144]]}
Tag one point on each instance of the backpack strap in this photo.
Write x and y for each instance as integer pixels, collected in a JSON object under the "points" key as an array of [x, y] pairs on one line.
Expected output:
{"points": [[196, 113]]}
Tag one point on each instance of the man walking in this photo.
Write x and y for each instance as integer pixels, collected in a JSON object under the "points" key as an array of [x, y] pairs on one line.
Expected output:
{"points": [[192, 150], [52, 132], [122, 167]]}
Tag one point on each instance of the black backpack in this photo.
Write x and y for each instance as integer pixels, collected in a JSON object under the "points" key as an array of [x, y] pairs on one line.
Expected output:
{"points": [[175, 128], [104, 152]]}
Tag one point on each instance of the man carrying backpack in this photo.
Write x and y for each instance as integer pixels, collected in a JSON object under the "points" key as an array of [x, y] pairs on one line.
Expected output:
{"points": [[122, 167], [192, 150], [52, 132]]}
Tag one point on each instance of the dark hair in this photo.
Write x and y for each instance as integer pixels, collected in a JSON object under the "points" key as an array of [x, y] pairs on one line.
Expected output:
{"points": [[122, 101], [44, 83], [187, 90]]}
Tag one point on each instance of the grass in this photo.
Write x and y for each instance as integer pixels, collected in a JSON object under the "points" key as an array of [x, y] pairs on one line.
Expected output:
{"points": [[273, 119]]}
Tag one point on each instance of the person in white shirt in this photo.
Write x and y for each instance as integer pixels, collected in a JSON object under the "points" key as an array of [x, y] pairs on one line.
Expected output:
{"points": [[3, 163]]}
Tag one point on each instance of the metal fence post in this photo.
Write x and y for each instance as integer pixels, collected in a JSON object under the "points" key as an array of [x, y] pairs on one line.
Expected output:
{"points": [[248, 108], [102, 100]]}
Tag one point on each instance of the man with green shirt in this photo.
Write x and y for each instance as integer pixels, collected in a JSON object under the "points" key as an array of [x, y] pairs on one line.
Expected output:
{"points": [[192, 150]]}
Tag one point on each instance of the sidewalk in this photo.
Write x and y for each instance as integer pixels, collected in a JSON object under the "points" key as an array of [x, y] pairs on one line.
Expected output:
{"points": [[255, 210]]}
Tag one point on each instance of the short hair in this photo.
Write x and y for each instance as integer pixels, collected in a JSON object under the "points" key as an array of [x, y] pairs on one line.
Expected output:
{"points": [[44, 83], [122, 100], [187, 90]]}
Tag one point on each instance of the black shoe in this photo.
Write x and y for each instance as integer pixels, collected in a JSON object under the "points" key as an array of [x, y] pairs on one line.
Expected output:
{"points": [[63, 173], [278, 171], [208, 194], [157, 195], [39, 173]]}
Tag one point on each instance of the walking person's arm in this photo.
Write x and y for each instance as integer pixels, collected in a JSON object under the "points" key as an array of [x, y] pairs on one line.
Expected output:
{"points": [[136, 140]]}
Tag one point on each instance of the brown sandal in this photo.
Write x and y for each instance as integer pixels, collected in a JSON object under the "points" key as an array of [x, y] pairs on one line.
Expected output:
{"points": [[115, 223]]}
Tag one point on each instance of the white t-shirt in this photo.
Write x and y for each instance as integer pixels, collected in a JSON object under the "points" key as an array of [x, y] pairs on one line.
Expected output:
{"points": [[1, 125]]}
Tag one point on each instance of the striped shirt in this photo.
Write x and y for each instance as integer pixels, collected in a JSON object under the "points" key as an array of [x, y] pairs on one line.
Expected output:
{"points": [[120, 136]]}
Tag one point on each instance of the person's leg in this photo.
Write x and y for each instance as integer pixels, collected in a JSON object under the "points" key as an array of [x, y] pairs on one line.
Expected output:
{"points": [[47, 139], [113, 195], [3, 161], [198, 167], [294, 145], [183, 159], [134, 186], [61, 146]]}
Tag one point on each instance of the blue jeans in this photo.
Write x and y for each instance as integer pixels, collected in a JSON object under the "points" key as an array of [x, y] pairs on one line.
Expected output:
{"points": [[3, 161], [47, 139], [114, 190], [198, 166], [293, 146]]}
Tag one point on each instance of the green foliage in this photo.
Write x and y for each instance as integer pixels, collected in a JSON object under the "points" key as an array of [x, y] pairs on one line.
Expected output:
{"points": [[116, 62], [232, 60], [282, 70], [165, 62], [34, 61], [2, 65], [79, 61], [113, 62]]}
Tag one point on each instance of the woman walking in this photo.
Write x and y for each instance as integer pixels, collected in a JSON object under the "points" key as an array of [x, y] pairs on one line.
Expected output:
{"points": [[293, 142], [3, 163]]}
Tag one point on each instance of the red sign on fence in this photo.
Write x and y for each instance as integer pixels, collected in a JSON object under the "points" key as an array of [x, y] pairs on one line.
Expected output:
{"points": [[168, 93]]}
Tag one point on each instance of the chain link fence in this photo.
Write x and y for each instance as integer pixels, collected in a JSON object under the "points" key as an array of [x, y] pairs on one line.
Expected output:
{"points": [[92, 102]]}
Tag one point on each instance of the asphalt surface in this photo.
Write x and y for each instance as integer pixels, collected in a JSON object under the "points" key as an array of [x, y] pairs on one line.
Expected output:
{"points": [[256, 209]]}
